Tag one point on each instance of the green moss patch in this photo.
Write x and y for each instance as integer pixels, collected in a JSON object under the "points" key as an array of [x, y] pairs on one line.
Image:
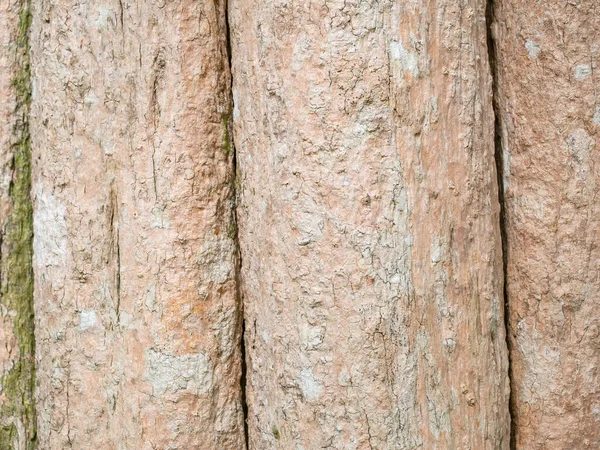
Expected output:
{"points": [[16, 282]]}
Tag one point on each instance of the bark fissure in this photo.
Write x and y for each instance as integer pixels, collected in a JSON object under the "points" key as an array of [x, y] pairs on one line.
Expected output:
{"points": [[116, 251], [499, 160], [238, 278]]}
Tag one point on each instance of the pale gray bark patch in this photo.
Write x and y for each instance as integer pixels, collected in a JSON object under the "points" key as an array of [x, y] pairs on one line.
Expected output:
{"points": [[169, 373]]}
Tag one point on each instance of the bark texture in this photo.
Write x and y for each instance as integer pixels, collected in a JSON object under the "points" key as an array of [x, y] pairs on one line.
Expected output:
{"points": [[17, 345], [135, 259], [547, 61], [369, 228]]}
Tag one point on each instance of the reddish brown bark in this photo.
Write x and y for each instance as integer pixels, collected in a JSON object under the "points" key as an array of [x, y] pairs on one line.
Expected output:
{"points": [[369, 228], [546, 58], [136, 303]]}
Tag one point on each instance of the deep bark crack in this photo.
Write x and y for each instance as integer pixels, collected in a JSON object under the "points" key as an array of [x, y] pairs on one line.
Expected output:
{"points": [[499, 160], [238, 277]]}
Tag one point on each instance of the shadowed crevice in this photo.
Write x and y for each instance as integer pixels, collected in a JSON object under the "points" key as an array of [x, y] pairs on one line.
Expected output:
{"points": [[499, 159], [238, 270]]}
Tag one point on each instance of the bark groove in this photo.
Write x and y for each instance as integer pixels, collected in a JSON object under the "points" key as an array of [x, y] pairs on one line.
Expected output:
{"points": [[499, 159], [239, 260]]}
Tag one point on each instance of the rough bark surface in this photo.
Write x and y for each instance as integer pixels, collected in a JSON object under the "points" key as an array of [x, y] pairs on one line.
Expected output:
{"points": [[17, 346], [369, 228], [547, 63], [135, 259]]}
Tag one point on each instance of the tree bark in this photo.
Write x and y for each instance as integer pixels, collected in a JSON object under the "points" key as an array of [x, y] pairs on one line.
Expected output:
{"points": [[401, 171], [17, 345], [369, 225], [136, 305], [546, 59]]}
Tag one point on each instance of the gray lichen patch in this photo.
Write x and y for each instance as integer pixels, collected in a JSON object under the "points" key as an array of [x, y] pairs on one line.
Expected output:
{"points": [[87, 319], [171, 374], [596, 117], [403, 59], [582, 71], [50, 230], [309, 385], [533, 49]]}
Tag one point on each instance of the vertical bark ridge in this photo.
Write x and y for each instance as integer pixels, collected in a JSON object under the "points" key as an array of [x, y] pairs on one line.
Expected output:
{"points": [[546, 56], [136, 261], [372, 271]]}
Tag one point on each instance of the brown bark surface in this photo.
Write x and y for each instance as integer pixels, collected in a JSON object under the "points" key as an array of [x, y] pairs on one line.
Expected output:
{"points": [[8, 29], [547, 61], [135, 260], [369, 228]]}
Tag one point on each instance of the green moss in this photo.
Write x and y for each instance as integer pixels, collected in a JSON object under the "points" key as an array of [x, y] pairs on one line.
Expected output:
{"points": [[275, 432], [16, 282], [226, 145], [232, 230]]}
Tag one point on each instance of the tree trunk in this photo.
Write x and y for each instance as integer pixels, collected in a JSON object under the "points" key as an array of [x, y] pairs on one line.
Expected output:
{"points": [[136, 305], [369, 225], [17, 344], [546, 59], [401, 172]]}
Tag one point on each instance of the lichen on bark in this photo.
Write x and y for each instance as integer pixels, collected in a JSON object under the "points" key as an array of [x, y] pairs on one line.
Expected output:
{"points": [[17, 409], [227, 144]]}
